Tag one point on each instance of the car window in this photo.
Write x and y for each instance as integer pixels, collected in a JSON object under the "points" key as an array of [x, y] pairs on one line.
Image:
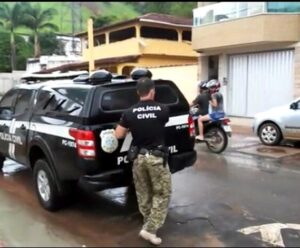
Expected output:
{"points": [[124, 98], [64, 100], [298, 105], [23, 101], [8, 99]]}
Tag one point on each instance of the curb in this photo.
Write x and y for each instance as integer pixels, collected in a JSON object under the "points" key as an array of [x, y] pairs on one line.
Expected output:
{"points": [[238, 129]]}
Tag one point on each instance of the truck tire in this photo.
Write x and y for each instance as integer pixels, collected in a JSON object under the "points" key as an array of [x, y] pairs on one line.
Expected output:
{"points": [[45, 186], [2, 159]]}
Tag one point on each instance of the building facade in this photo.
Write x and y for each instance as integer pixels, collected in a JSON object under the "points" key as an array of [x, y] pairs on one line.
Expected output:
{"points": [[161, 43], [149, 41], [253, 48]]}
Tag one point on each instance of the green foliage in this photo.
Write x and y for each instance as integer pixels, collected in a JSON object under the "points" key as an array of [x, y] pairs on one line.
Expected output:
{"points": [[37, 18], [24, 50], [120, 10], [5, 53], [49, 44], [101, 21], [184, 9], [157, 7]]}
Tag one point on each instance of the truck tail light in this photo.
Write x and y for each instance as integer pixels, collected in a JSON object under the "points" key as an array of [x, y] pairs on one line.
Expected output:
{"points": [[191, 126], [85, 142]]}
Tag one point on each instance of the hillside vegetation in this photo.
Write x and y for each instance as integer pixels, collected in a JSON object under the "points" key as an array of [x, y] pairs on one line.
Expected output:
{"points": [[119, 11]]}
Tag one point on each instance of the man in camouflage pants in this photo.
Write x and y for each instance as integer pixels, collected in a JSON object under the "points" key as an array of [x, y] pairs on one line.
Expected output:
{"points": [[152, 178]]}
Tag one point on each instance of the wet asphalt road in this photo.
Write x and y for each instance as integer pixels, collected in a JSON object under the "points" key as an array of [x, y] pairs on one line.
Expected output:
{"points": [[248, 185]]}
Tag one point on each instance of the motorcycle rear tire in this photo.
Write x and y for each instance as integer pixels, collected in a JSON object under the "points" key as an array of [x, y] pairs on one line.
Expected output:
{"points": [[221, 133]]}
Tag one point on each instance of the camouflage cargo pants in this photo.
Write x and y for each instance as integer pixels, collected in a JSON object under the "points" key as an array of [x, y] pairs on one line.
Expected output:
{"points": [[153, 189]]}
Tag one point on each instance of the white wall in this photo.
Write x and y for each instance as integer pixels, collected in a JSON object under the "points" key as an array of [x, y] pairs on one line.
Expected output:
{"points": [[8, 80], [185, 77]]}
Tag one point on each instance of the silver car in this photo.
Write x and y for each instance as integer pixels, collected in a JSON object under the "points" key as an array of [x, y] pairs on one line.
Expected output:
{"points": [[278, 123]]}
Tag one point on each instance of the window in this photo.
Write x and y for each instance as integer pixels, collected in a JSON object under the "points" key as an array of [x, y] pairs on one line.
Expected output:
{"points": [[125, 98], [23, 100], [99, 40], [64, 100], [187, 35], [283, 7], [159, 33], [8, 99], [165, 95], [123, 34], [119, 99]]}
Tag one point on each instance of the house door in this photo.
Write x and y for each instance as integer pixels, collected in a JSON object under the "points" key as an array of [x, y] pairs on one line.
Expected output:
{"points": [[259, 81]]}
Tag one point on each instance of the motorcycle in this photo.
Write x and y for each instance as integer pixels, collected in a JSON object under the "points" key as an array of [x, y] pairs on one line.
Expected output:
{"points": [[216, 133]]}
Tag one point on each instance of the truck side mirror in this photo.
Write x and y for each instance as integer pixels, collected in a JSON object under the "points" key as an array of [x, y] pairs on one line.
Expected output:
{"points": [[6, 113]]}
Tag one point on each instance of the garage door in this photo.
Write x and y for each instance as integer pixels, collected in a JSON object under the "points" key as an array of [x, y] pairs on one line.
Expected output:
{"points": [[259, 81]]}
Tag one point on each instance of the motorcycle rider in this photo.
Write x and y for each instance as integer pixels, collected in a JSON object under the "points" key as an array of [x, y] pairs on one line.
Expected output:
{"points": [[202, 100], [216, 103]]}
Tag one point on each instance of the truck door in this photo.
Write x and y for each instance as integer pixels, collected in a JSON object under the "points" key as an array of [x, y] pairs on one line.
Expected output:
{"points": [[6, 115], [20, 124]]}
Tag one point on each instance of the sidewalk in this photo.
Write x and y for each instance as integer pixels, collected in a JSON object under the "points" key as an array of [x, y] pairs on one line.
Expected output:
{"points": [[241, 125]]}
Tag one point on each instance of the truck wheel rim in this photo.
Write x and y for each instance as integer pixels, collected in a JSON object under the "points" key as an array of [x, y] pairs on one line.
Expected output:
{"points": [[43, 185], [269, 134]]}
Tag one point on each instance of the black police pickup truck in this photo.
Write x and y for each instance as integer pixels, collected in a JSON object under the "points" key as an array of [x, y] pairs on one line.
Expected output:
{"points": [[53, 127]]}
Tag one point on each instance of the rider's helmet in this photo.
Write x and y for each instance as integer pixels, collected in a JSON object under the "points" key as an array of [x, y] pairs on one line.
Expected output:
{"points": [[202, 86], [213, 85]]}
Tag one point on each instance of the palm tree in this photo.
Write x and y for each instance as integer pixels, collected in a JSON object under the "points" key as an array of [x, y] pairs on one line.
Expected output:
{"points": [[37, 19], [11, 18]]}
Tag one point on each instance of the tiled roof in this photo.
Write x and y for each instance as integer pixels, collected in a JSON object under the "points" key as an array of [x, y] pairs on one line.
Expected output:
{"points": [[85, 64], [168, 20], [155, 17]]}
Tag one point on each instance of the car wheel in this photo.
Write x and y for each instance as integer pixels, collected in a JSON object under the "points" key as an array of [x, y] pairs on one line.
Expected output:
{"points": [[270, 134], [45, 186]]}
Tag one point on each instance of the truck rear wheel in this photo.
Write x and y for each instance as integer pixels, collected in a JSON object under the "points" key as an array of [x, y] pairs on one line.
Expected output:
{"points": [[45, 186]]}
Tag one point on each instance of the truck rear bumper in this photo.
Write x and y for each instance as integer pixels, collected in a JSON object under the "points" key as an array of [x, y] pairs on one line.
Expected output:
{"points": [[123, 177], [180, 161], [106, 180]]}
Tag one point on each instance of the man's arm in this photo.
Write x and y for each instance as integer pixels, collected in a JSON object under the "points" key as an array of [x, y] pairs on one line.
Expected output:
{"points": [[214, 102], [120, 132]]}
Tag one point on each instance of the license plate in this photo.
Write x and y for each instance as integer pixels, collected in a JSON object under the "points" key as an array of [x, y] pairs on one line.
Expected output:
{"points": [[227, 129]]}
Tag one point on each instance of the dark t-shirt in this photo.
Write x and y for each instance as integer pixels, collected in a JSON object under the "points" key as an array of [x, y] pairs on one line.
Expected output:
{"points": [[203, 101], [146, 120]]}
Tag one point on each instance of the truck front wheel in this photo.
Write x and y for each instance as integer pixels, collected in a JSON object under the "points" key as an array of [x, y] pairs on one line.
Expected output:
{"points": [[2, 159], [45, 186]]}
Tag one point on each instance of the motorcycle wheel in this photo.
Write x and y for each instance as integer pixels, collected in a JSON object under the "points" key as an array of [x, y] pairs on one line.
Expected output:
{"points": [[217, 139]]}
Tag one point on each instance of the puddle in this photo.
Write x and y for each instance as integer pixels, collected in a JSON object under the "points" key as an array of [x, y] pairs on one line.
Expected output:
{"points": [[23, 228], [270, 150], [273, 152]]}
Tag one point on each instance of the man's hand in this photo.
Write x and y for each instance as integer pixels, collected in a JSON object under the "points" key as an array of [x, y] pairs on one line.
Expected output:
{"points": [[120, 132]]}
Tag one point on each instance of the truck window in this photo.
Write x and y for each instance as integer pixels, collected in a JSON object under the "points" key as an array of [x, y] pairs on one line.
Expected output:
{"points": [[8, 99], [124, 98], [64, 100], [23, 100]]}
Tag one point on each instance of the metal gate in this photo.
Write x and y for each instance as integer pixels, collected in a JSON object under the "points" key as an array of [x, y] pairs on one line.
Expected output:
{"points": [[259, 81]]}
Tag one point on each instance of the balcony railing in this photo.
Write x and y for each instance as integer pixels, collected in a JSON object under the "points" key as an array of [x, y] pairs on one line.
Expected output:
{"points": [[225, 11]]}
